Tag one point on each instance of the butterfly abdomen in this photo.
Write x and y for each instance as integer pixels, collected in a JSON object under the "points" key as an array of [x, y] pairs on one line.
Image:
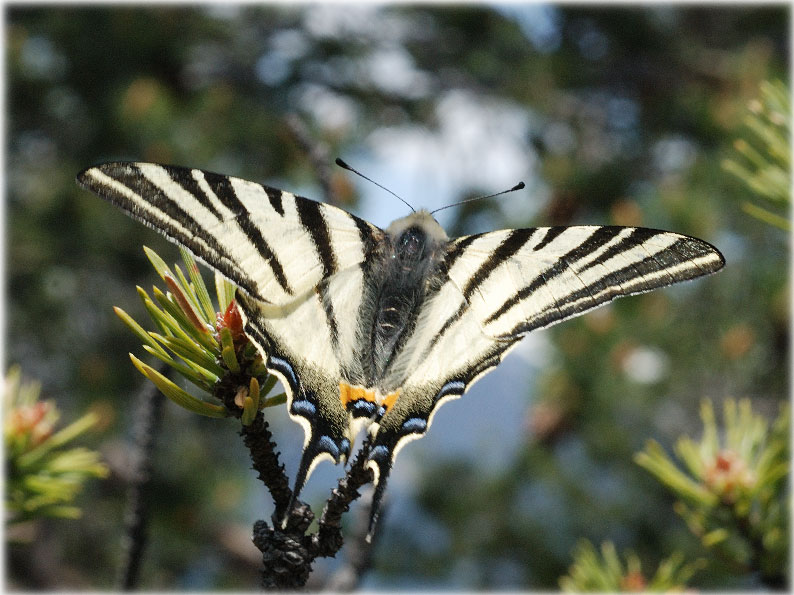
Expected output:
{"points": [[406, 275]]}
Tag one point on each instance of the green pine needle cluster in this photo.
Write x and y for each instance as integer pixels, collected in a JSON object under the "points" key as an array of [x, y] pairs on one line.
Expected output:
{"points": [[732, 487], [42, 477], [733, 495], [206, 346], [763, 160], [606, 573]]}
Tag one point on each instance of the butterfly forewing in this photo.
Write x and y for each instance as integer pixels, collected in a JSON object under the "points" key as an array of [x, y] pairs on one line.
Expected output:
{"points": [[561, 272], [264, 240]]}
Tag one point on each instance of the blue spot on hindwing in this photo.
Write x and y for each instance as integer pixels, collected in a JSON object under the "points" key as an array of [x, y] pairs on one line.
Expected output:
{"points": [[285, 368], [453, 387], [304, 408], [344, 446], [362, 408], [379, 454], [327, 444], [415, 425]]}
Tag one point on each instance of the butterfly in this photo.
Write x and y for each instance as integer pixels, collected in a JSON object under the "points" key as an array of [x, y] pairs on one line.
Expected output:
{"points": [[376, 328]]}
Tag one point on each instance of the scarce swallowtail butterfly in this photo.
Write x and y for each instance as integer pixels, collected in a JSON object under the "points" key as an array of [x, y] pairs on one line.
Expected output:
{"points": [[378, 327]]}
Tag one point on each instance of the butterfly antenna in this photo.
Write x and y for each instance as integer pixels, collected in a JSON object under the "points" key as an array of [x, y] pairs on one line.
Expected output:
{"points": [[344, 165], [518, 186]]}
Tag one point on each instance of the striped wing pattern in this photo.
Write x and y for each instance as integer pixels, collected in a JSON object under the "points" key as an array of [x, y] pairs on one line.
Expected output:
{"points": [[274, 245], [505, 284], [297, 262], [311, 348], [516, 281], [304, 267]]}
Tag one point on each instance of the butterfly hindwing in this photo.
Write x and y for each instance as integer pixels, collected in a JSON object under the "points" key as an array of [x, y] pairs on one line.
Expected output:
{"points": [[309, 370], [447, 353], [503, 284], [312, 364]]}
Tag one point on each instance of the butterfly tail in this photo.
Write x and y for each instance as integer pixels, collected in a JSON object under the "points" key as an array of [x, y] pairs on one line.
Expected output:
{"points": [[304, 470], [380, 462], [326, 426], [318, 448]]}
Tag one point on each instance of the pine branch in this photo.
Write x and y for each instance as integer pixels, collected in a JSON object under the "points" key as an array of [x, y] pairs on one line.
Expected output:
{"points": [[329, 536], [358, 554], [209, 348], [288, 552], [265, 457]]}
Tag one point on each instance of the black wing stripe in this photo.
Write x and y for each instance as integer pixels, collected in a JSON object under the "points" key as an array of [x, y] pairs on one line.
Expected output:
{"points": [[597, 239], [692, 249], [638, 280], [541, 279], [184, 177], [457, 249], [274, 196], [366, 234], [551, 234], [676, 254], [330, 315], [602, 236], [311, 218], [153, 194], [444, 327], [224, 191], [514, 241], [637, 236], [197, 241]]}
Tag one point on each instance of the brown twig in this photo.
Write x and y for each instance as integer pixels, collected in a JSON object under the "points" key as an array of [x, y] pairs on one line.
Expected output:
{"points": [[265, 458], [329, 536], [147, 424], [318, 155]]}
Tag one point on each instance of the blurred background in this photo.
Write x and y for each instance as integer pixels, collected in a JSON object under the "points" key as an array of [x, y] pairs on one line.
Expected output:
{"points": [[611, 115]]}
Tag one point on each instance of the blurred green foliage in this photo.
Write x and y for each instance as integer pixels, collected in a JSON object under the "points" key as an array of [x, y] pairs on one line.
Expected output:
{"points": [[764, 160], [608, 574], [42, 477], [732, 494], [618, 115], [733, 490]]}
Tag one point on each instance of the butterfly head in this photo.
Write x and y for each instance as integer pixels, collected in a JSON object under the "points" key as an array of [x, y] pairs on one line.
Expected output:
{"points": [[414, 234]]}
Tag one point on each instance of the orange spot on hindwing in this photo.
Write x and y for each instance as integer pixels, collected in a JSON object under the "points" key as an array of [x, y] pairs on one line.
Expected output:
{"points": [[366, 400], [344, 393], [391, 399], [348, 393]]}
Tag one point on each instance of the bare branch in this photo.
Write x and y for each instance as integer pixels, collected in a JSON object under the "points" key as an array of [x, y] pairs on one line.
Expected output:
{"points": [[329, 537], [318, 155], [358, 554], [136, 518]]}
